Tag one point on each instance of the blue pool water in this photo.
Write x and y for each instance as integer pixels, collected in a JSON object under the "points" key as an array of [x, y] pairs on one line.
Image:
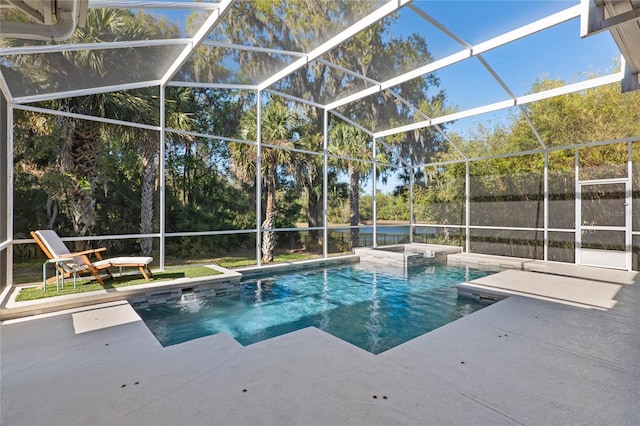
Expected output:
{"points": [[371, 309]]}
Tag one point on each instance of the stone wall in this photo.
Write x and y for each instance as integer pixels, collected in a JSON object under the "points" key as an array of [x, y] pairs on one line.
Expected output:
{"points": [[179, 293]]}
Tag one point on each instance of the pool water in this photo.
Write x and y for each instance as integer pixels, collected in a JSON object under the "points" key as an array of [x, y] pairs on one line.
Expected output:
{"points": [[371, 309]]}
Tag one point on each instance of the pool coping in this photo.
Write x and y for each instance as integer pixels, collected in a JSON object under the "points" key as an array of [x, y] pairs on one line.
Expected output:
{"points": [[166, 290], [585, 287]]}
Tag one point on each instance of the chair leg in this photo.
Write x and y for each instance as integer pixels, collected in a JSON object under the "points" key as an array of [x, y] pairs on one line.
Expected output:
{"points": [[54, 279], [49, 280], [144, 271], [109, 274], [96, 274]]}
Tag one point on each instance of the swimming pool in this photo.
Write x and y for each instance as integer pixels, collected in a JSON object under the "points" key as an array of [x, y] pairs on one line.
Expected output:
{"points": [[371, 309]]}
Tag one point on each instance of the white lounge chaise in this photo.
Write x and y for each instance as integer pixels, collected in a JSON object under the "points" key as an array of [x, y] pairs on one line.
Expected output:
{"points": [[53, 247]]}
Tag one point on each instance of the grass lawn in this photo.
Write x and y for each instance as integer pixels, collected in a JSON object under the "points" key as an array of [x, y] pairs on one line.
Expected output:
{"points": [[85, 285], [238, 262], [31, 271]]}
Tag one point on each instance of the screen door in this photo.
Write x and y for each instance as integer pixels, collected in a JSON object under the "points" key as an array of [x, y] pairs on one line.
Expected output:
{"points": [[603, 224]]}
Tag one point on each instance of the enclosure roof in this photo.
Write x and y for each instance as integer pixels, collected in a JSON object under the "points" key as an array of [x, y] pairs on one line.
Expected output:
{"points": [[486, 55]]}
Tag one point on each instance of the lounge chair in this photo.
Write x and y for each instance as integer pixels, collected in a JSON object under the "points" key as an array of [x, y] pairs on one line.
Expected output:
{"points": [[53, 247]]}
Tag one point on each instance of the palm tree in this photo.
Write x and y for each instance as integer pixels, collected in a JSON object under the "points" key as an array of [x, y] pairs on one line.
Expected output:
{"points": [[78, 160], [308, 172], [81, 142], [148, 143], [180, 117], [404, 177], [348, 141], [278, 128]]}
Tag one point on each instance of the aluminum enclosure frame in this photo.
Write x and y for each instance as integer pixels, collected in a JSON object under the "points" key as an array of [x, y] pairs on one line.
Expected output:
{"points": [[589, 12]]}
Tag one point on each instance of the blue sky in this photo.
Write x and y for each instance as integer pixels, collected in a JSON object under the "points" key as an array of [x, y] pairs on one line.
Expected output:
{"points": [[557, 53]]}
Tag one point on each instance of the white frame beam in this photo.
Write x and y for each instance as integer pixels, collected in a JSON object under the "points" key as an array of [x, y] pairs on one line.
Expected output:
{"points": [[629, 79], [258, 182], [325, 183], [522, 100], [509, 37], [162, 178], [84, 92], [197, 39], [134, 4], [594, 20], [354, 29]]}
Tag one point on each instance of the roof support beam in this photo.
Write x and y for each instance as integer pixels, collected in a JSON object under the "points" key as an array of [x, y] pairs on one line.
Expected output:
{"points": [[132, 4], [501, 40], [294, 98], [527, 30], [631, 80], [84, 92], [197, 39], [354, 29], [86, 117], [79, 47], [512, 96], [426, 117], [484, 63], [252, 48], [593, 17], [351, 122], [199, 85], [522, 100], [4, 88], [570, 88], [622, 19]]}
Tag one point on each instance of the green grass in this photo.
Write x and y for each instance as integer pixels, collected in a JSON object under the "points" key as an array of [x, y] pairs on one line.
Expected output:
{"points": [[30, 271], [85, 285], [237, 262]]}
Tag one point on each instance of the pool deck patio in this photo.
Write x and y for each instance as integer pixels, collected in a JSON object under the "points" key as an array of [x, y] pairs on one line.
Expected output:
{"points": [[519, 361]]}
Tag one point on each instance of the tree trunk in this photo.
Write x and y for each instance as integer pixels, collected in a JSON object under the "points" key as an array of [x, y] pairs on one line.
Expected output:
{"points": [[314, 215], [84, 206], [354, 204], [52, 211], [146, 202], [79, 161], [269, 237]]}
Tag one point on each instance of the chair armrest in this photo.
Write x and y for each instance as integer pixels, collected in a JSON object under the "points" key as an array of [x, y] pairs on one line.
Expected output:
{"points": [[85, 252]]}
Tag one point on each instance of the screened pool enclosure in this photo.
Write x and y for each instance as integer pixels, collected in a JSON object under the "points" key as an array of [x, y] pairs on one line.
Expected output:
{"points": [[251, 132]]}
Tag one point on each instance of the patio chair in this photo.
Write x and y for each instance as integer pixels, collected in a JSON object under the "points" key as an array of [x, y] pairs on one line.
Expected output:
{"points": [[53, 247]]}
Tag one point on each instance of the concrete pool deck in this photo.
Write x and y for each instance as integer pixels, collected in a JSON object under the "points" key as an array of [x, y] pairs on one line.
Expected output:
{"points": [[581, 292], [519, 361]]}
